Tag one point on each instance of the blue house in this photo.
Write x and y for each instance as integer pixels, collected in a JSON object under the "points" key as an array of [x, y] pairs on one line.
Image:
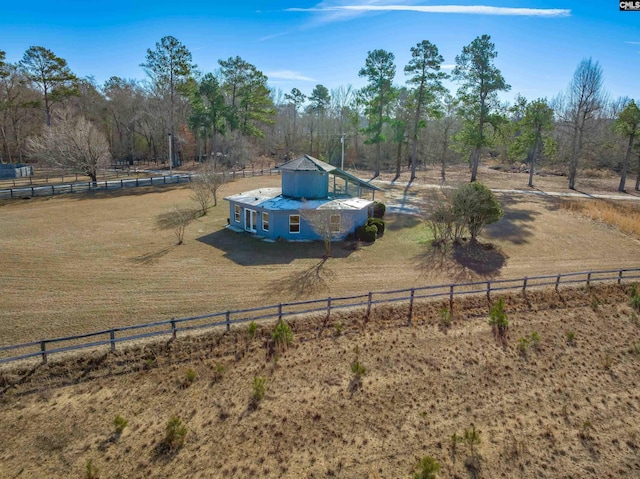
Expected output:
{"points": [[310, 189]]}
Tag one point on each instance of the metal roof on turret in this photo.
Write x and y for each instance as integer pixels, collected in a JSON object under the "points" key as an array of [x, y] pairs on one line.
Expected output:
{"points": [[306, 163], [309, 163]]}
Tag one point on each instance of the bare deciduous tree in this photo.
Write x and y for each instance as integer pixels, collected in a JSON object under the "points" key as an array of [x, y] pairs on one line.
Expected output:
{"points": [[329, 224], [205, 185], [581, 104], [72, 142]]}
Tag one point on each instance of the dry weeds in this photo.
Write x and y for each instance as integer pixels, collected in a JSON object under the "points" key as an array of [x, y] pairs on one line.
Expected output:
{"points": [[565, 410], [624, 217]]}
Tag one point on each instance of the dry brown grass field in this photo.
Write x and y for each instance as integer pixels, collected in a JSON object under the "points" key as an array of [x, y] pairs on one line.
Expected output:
{"points": [[79, 263], [566, 408]]}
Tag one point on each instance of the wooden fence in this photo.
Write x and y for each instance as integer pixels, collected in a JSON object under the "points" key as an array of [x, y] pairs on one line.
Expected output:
{"points": [[111, 337], [85, 186]]}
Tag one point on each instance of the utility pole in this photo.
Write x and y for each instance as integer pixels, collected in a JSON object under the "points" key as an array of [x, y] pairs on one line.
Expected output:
{"points": [[342, 157], [170, 158]]}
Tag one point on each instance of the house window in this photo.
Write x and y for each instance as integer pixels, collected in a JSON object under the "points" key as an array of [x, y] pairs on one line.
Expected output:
{"points": [[265, 221], [294, 223], [236, 210], [334, 223]]}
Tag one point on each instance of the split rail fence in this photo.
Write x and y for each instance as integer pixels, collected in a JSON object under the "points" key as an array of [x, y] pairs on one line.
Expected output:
{"points": [[85, 186], [111, 337]]}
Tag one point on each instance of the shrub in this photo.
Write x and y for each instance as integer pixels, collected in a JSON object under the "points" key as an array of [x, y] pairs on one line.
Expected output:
{"points": [[259, 389], [338, 327], [379, 209], [367, 233], [175, 433], [571, 337], [358, 369], [282, 336], [251, 329], [476, 206], [445, 318], [120, 423], [91, 471], [427, 468], [471, 438], [523, 345], [498, 320], [534, 339], [378, 223], [190, 377], [635, 297]]}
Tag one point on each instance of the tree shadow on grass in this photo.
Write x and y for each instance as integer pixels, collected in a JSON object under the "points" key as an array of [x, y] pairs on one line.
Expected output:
{"points": [[469, 261], [175, 217], [516, 226], [151, 257], [395, 222], [301, 284]]}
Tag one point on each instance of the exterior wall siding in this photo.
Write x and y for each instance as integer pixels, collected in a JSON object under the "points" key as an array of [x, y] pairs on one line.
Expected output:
{"points": [[279, 222], [305, 184]]}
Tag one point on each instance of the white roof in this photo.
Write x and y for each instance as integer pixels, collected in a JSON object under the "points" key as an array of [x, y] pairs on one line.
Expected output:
{"points": [[272, 199]]}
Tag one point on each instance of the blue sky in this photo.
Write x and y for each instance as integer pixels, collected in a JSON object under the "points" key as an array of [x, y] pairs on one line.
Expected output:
{"points": [[304, 43]]}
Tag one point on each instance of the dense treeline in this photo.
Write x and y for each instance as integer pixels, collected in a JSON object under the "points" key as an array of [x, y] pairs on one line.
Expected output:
{"points": [[232, 117]]}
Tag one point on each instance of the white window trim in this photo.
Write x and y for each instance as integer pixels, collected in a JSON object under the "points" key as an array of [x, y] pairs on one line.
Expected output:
{"points": [[237, 213], [294, 232], [335, 227], [265, 214]]}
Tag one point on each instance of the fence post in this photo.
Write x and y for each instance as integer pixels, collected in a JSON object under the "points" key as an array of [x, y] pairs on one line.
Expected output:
{"points": [[451, 299], [524, 286], [43, 348], [620, 276], [557, 283], [71, 187], [121, 183], [227, 316], [280, 312], [489, 291], [112, 338], [588, 279], [11, 192], [32, 193], [174, 330], [328, 308], [53, 191], [369, 305], [411, 306]]}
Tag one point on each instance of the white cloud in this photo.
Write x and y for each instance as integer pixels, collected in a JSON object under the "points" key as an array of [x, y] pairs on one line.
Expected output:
{"points": [[448, 66], [633, 43], [287, 75], [455, 9]]}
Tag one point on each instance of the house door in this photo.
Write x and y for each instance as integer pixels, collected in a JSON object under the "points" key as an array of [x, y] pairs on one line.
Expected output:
{"points": [[250, 218]]}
